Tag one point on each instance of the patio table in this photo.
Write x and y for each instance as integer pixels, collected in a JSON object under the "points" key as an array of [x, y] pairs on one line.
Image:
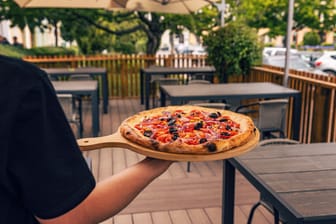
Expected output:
{"points": [[147, 73], [234, 91], [92, 71], [82, 88], [298, 181]]}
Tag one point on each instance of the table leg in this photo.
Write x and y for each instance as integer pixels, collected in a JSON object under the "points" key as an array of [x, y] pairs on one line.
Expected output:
{"points": [[141, 87], [147, 90], [296, 116], [228, 193], [105, 92], [162, 98], [95, 113]]}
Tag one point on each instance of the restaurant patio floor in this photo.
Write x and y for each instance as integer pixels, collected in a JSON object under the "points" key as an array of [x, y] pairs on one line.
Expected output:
{"points": [[176, 197]]}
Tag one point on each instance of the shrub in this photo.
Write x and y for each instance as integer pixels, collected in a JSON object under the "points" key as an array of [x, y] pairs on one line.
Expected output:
{"points": [[311, 39], [233, 49], [13, 51], [52, 51]]}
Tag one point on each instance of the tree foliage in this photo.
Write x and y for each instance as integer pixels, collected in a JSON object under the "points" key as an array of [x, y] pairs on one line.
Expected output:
{"points": [[315, 14]]}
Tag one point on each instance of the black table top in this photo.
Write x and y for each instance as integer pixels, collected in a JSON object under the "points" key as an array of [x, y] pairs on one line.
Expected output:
{"points": [[299, 179], [71, 71], [73, 86], [253, 89], [172, 70]]}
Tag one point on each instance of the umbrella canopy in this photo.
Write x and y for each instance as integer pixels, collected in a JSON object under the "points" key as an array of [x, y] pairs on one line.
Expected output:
{"points": [[163, 6], [67, 3]]}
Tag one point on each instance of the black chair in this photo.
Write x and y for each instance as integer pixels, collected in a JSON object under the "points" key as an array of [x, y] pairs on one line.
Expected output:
{"points": [[78, 99], [72, 113], [270, 116]]}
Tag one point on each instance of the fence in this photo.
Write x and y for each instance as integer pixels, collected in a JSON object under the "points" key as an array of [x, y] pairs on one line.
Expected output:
{"points": [[318, 111], [123, 70], [318, 116]]}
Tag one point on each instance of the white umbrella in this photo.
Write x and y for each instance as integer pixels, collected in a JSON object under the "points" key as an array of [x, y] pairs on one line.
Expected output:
{"points": [[163, 6], [66, 3]]}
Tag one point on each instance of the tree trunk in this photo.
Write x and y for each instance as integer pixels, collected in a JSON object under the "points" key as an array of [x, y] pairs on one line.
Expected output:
{"points": [[56, 34]]}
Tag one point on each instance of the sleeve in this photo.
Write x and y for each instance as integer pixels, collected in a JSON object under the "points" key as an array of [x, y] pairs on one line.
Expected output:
{"points": [[47, 165]]}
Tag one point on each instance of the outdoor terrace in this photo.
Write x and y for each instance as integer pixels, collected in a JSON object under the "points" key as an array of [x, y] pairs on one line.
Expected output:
{"points": [[176, 197]]}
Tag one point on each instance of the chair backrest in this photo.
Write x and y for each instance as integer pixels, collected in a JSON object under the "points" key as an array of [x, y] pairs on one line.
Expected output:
{"points": [[221, 106], [198, 81], [80, 77], [278, 141], [66, 103], [272, 115], [167, 81]]}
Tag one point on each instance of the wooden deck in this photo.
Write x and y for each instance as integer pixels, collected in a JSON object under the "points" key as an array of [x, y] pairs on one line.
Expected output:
{"points": [[176, 197]]}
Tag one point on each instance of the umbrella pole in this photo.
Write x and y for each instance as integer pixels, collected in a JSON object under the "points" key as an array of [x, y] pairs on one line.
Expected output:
{"points": [[288, 39]]}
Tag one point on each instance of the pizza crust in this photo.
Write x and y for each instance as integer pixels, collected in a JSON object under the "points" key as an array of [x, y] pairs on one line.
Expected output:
{"points": [[129, 131]]}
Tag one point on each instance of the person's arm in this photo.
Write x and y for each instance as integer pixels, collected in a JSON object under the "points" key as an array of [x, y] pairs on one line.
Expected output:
{"points": [[113, 194]]}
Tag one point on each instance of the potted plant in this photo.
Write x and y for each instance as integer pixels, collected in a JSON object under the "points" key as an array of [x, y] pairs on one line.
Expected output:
{"points": [[232, 49]]}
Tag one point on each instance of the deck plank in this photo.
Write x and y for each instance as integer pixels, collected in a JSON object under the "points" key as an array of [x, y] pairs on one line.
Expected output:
{"points": [[177, 196]]}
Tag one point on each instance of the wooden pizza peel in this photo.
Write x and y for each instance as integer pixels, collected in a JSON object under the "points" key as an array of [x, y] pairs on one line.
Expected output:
{"points": [[117, 140]]}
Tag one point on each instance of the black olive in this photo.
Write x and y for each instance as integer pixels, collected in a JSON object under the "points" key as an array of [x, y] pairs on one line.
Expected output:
{"points": [[223, 120], [198, 125], [225, 134], [171, 122], [211, 147], [228, 127], [175, 136], [213, 115], [172, 130], [219, 113], [148, 133], [202, 140]]}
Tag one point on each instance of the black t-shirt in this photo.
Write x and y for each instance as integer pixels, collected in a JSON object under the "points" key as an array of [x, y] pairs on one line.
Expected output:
{"points": [[42, 171]]}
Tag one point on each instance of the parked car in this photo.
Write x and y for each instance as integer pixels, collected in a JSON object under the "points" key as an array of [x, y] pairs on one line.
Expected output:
{"points": [[296, 63], [164, 50], [199, 50], [327, 62], [310, 56], [277, 51]]}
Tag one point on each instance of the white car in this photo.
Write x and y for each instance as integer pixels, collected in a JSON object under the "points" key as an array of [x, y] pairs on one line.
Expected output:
{"points": [[277, 51], [295, 62], [327, 62]]}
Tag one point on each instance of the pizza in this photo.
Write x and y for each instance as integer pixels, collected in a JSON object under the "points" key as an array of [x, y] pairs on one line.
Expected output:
{"points": [[188, 129]]}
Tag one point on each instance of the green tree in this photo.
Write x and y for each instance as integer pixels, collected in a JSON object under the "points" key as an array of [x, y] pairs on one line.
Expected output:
{"points": [[233, 49]]}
